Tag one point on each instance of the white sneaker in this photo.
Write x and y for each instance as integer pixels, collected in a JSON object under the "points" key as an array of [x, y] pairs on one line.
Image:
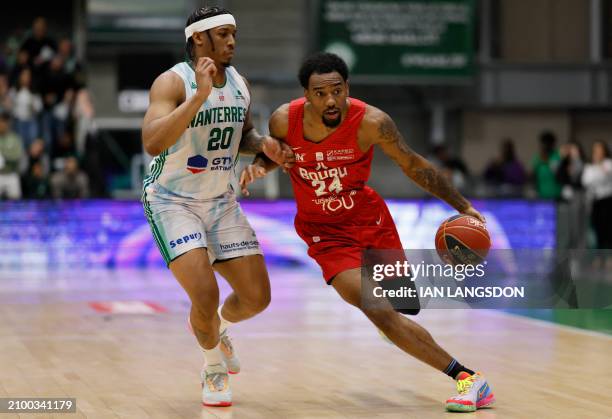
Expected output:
{"points": [[473, 393], [229, 353], [215, 386]]}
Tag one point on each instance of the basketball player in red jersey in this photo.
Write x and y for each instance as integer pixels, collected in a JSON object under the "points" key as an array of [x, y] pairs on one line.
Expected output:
{"points": [[332, 136]]}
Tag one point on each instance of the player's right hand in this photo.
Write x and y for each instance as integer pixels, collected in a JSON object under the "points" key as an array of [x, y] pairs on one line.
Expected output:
{"points": [[279, 152], [205, 70], [249, 175]]}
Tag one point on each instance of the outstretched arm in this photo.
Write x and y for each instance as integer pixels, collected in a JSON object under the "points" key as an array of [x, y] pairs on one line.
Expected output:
{"points": [[380, 129]]}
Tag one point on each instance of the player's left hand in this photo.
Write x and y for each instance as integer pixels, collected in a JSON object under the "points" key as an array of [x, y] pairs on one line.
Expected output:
{"points": [[249, 175], [279, 152], [474, 213]]}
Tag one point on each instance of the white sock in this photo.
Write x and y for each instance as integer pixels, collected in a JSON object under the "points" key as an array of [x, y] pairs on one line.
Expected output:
{"points": [[213, 356], [224, 324]]}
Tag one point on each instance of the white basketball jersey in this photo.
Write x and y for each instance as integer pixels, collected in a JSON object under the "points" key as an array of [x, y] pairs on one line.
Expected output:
{"points": [[201, 164]]}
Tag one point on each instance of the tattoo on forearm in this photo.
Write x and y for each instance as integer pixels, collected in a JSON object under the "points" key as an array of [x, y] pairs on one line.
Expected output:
{"points": [[419, 169], [433, 181], [251, 142]]}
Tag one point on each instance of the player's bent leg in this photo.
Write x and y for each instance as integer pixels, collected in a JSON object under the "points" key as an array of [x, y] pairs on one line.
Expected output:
{"points": [[195, 274], [404, 333], [248, 277], [473, 390]]}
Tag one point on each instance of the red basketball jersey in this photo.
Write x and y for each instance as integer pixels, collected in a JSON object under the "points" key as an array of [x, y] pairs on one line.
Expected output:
{"points": [[329, 177]]}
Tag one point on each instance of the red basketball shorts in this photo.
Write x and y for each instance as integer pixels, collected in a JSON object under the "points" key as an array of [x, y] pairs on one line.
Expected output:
{"points": [[338, 246]]}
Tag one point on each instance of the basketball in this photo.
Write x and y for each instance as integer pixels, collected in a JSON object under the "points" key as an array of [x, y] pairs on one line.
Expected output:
{"points": [[462, 239]]}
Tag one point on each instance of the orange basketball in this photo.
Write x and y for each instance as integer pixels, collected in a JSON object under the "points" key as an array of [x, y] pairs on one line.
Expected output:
{"points": [[463, 239]]}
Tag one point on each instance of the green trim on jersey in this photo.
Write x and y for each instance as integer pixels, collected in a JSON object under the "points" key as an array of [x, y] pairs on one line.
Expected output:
{"points": [[156, 170]]}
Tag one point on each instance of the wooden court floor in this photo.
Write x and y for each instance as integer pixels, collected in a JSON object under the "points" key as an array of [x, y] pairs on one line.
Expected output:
{"points": [[308, 356]]}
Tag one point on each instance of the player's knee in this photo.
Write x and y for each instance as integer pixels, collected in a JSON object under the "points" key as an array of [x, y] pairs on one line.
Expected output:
{"points": [[205, 307], [256, 302]]}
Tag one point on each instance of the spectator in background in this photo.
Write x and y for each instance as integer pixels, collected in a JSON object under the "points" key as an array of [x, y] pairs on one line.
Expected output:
{"points": [[597, 179], [26, 105], [57, 96], [83, 113], [36, 182], [453, 168], [40, 47], [65, 52], [21, 64], [506, 171], [64, 148], [11, 153], [36, 178], [569, 173], [37, 155], [6, 102], [545, 165], [71, 182], [11, 47], [571, 211]]}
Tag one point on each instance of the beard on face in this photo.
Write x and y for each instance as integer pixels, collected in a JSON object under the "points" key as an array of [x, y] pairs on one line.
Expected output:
{"points": [[331, 123]]}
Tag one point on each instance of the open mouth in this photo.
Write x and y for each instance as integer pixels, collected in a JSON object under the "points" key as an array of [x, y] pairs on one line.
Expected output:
{"points": [[332, 114]]}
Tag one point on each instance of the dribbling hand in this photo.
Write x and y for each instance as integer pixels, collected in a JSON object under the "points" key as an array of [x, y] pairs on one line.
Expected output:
{"points": [[205, 70], [474, 213]]}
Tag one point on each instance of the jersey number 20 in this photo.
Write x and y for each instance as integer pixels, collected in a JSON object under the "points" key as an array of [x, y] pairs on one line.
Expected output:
{"points": [[220, 139]]}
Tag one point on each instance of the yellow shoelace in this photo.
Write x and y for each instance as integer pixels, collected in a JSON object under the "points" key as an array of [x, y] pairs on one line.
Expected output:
{"points": [[463, 386]]}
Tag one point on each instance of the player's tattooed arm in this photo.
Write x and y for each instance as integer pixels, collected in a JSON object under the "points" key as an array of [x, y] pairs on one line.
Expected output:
{"points": [[252, 141], [262, 163], [278, 131], [265, 147], [384, 132]]}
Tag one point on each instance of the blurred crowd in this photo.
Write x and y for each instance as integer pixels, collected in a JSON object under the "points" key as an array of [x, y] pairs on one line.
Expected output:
{"points": [[45, 117], [581, 185], [46, 151]]}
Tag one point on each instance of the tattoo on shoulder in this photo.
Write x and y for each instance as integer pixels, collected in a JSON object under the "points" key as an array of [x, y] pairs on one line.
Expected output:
{"points": [[387, 130]]}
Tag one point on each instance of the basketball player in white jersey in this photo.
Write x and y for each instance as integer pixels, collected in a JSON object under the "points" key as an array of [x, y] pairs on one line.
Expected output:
{"points": [[197, 122]]}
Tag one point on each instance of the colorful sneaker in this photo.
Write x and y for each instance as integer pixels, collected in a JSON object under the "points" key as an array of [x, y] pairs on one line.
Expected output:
{"points": [[215, 386], [474, 393], [229, 354]]}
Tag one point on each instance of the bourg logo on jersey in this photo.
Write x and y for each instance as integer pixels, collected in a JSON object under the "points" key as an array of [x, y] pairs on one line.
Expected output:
{"points": [[197, 164]]}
